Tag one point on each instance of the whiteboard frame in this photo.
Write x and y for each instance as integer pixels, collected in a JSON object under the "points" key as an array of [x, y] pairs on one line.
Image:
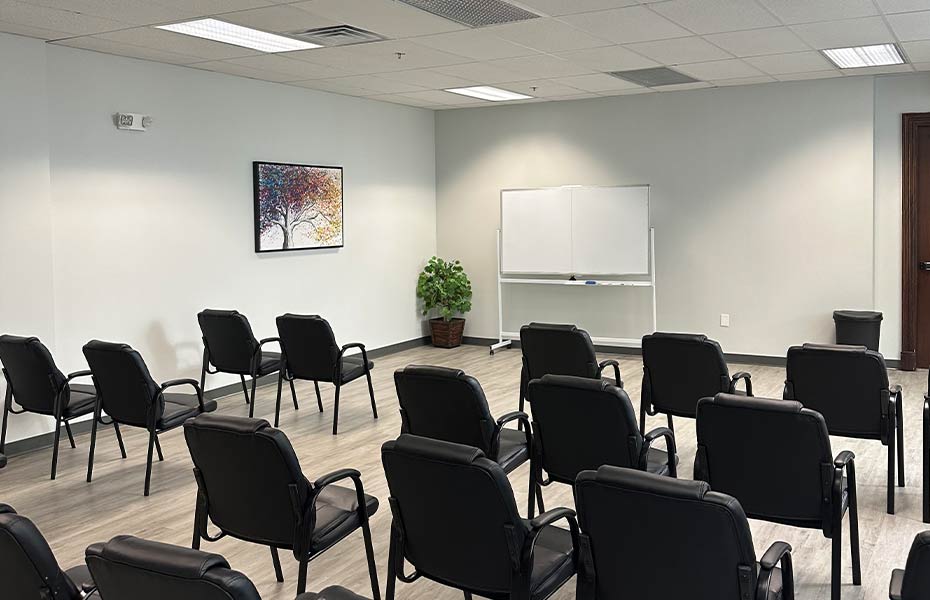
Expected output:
{"points": [[500, 231]]}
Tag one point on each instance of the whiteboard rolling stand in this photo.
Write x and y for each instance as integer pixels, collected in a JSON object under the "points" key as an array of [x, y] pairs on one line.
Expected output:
{"points": [[505, 338]]}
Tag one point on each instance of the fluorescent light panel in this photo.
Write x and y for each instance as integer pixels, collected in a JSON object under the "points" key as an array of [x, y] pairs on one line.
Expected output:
{"points": [[486, 92], [228, 33], [880, 55]]}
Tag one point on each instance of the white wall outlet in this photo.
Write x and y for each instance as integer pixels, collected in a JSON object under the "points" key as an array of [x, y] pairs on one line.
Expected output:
{"points": [[132, 121], [724, 320]]}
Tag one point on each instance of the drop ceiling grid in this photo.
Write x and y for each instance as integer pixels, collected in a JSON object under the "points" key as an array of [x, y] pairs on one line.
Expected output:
{"points": [[568, 41]]}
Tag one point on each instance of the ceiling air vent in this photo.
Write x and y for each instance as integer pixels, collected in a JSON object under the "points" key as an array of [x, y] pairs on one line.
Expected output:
{"points": [[474, 13], [337, 35], [656, 77]]}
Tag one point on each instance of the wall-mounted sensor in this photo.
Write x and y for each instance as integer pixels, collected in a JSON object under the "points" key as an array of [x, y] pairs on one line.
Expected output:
{"points": [[132, 121]]}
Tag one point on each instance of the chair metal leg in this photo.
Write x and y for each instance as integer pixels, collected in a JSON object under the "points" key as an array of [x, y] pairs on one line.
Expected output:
{"points": [[148, 462], [926, 449], [336, 411], [70, 434], [245, 390], [837, 562], [854, 526], [642, 417], [119, 439], [277, 403], [524, 384], [391, 571], [302, 575], [371, 393], [55, 446], [531, 493], [467, 595], [294, 394], [7, 401], [899, 413], [671, 423], [252, 404], [370, 554], [319, 398], [203, 371], [276, 560], [891, 468], [539, 499], [161, 457], [93, 443]]}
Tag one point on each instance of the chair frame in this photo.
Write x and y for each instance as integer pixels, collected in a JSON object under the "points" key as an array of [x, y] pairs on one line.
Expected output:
{"points": [[253, 373], [305, 519], [926, 459]]}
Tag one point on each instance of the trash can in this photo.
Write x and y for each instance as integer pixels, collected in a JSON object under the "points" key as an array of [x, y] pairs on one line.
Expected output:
{"points": [[858, 327]]}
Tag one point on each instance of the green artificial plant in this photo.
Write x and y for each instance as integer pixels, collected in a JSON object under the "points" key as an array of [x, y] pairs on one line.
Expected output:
{"points": [[445, 286]]}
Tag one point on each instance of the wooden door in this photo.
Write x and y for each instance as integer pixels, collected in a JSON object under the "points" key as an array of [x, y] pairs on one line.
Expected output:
{"points": [[915, 350]]}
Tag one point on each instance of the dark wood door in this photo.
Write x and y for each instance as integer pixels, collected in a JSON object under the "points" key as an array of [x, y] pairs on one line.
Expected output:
{"points": [[916, 242]]}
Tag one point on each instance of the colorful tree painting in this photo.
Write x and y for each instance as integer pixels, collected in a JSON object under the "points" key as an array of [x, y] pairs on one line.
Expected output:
{"points": [[297, 206]]}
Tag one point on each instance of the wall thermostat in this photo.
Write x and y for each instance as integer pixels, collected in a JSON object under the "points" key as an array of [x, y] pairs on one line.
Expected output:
{"points": [[132, 121]]}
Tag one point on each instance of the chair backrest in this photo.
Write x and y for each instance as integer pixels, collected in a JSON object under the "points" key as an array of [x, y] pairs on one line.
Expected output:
{"points": [[774, 456], [848, 385], [129, 568], [125, 387], [456, 510], [693, 542], [916, 584], [229, 340], [679, 369], [250, 475], [581, 424], [28, 569], [31, 372], [310, 346], [550, 349], [445, 404]]}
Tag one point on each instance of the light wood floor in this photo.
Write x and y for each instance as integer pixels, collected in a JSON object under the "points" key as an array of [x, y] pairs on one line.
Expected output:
{"points": [[73, 514]]}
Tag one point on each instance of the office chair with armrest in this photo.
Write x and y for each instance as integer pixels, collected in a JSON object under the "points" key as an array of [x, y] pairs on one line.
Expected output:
{"points": [[913, 582]]}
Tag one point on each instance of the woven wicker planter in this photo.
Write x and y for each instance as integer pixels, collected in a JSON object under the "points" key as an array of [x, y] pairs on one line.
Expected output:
{"points": [[447, 334]]}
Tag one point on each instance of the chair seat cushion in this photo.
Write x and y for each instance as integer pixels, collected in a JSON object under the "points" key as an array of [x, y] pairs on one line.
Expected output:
{"points": [[775, 584], [657, 461], [81, 401], [332, 593], [552, 562], [181, 407], [79, 575], [337, 514], [271, 362], [512, 451], [353, 367]]}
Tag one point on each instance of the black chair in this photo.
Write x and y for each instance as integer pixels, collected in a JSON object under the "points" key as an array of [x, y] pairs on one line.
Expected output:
{"points": [[693, 543], [38, 386], [848, 385], [250, 485], [129, 395], [913, 583], [456, 521], [580, 424], [28, 569], [678, 370], [559, 350], [230, 346], [446, 404], [774, 457], [311, 354], [332, 593], [926, 453]]}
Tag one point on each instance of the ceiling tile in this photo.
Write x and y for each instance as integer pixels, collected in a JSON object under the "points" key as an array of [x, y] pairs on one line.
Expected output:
{"points": [[34, 32], [378, 57], [441, 97], [52, 19], [568, 7], [335, 86], [680, 50], [922, 66], [627, 25], [714, 16], [540, 66], [580, 96], [808, 75], [119, 49], [130, 12], [757, 42], [720, 69], [908, 26], [851, 32], [629, 92], [541, 88], [483, 73], [807, 11], [879, 70], [476, 44], [221, 66], [159, 39], [214, 7], [280, 18], [795, 62], [917, 51], [896, 6], [610, 58], [597, 82], [406, 101], [296, 70], [546, 35], [744, 81], [378, 84], [428, 78], [684, 86], [387, 17]]}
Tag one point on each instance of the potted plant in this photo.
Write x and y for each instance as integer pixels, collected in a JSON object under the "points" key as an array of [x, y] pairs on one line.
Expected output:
{"points": [[443, 285]]}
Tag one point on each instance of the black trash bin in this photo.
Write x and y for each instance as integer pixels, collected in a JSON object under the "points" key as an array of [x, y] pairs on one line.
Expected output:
{"points": [[858, 327]]}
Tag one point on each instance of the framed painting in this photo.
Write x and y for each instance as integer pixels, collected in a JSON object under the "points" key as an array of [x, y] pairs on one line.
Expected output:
{"points": [[297, 207]]}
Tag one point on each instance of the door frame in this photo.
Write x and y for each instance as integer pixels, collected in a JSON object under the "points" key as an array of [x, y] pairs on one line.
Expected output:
{"points": [[911, 124]]}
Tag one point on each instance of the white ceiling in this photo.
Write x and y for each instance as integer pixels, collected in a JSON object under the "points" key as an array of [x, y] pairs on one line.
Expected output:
{"points": [[561, 56]]}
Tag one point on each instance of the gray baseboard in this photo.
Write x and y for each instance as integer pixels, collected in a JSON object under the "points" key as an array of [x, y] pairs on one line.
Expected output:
{"points": [[45, 440]]}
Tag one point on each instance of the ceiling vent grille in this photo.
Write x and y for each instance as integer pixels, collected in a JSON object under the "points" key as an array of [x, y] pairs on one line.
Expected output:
{"points": [[474, 13], [337, 35], [655, 77]]}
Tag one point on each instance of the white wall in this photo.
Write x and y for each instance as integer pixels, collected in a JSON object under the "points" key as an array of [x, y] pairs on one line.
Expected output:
{"points": [[761, 199], [151, 228]]}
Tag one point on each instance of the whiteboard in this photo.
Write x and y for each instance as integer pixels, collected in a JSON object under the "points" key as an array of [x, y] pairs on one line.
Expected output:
{"points": [[576, 230], [538, 230]]}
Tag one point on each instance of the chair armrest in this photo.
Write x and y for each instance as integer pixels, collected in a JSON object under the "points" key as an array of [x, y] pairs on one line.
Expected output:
{"points": [[549, 517], [268, 340], [610, 363], [895, 390], [745, 377], [334, 477], [670, 447], [779, 553], [774, 555], [191, 382], [516, 415], [331, 478], [257, 353], [88, 588], [843, 459], [76, 374], [545, 520], [896, 584], [358, 345]]}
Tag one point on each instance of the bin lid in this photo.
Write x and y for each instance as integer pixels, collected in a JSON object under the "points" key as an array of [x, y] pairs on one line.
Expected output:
{"points": [[857, 315]]}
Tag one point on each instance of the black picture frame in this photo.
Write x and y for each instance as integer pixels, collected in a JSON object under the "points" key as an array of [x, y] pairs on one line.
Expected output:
{"points": [[256, 201]]}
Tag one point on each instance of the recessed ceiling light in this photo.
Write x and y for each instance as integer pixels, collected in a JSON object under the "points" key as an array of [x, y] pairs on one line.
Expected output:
{"points": [[486, 92], [221, 31], [880, 55]]}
